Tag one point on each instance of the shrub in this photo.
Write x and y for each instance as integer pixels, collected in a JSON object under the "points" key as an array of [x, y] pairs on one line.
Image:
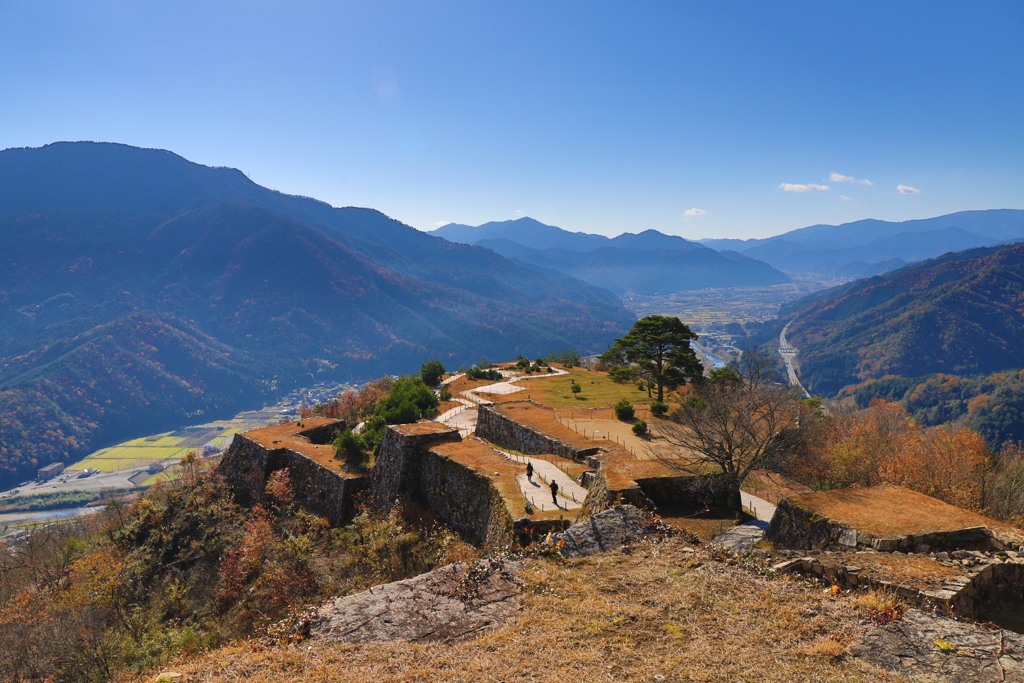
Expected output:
{"points": [[476, 372], [409, 400], [640, 427], [445, 394], [624, 410], [658, 409], [349, 449], [431, 371]]}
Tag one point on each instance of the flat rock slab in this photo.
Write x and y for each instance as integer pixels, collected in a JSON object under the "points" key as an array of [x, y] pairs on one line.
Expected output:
{"points": [[456, 602], [743, 537], [932, 647], [607, 531]]}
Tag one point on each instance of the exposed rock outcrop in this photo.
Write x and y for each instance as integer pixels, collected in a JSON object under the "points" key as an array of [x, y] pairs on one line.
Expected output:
{"points": [[932, 647], [455, 602], [607, 531]]}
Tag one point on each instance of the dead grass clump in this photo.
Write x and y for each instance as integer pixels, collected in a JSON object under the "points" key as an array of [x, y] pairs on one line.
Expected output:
{"points": [[831, 648], [880, 606]]}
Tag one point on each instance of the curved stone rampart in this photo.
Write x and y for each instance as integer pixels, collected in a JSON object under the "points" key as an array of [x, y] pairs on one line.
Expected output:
{"points": [[507, 433]]}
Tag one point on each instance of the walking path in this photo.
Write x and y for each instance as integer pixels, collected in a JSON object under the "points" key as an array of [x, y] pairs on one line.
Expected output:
{"points": [[759, 507], [743, 537], [507, 387], [461, 417], [537, 490]]}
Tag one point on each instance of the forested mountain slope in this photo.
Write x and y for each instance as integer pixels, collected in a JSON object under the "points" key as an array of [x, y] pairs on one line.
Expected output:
{"points": [[137, 287], [960, 314]]}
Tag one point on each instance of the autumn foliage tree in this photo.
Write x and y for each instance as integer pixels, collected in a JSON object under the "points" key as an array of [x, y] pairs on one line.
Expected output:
{"points": [[883, 444]]}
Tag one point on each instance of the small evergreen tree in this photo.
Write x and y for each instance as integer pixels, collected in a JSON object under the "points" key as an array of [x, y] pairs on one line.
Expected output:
{"points": [[624, 410], [431, 372]]}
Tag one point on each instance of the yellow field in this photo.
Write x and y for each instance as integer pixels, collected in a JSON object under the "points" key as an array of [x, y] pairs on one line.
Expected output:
{"points": [[224, 440], [123, 457], [162, 442]]}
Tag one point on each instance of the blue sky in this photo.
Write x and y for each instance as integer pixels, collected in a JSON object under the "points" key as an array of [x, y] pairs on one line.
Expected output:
{"points": [[703, 119]]}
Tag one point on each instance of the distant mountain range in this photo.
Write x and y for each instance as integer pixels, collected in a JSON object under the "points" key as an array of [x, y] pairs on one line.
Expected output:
{"points": [[138, 289], [649, 262], [870, 247], [959, 314]]}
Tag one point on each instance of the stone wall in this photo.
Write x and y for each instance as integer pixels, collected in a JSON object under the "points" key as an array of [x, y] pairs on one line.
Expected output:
{"points": [[464, 500], [988, 582], [647, 492], [795, 527], [600, 496], [396, 472], [505, 432], [461, 497], [800, 529], [247, 465], [685, 489]]}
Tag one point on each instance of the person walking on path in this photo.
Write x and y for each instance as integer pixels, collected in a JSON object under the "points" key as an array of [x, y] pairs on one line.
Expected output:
{"points": [[529, 471], [554, 492]]}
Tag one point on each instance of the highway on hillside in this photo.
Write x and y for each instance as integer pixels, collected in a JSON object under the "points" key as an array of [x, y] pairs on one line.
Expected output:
{"points": [[789, 354]]}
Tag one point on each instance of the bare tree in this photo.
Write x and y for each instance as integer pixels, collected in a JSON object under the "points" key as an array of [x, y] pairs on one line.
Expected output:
{"points": [[732, 423]]}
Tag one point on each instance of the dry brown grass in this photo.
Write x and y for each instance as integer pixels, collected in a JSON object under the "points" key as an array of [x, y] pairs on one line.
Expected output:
{"points": [[885, 511], [544, 420], [772, 486], [664, 610], [705, 525], [445, 406], [286, 436]]}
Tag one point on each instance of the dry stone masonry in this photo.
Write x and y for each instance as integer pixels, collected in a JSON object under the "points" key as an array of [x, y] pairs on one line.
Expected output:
{"points": [[320, 484]]}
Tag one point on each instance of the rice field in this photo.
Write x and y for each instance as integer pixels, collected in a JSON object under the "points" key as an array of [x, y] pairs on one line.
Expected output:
{"points": [[152, 449]]}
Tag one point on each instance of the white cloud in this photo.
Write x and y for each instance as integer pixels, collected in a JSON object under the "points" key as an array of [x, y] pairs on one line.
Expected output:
{"points": [[845, 198], [694, 212], [796, 187], [519, 212], [840, 178], [441, 224], [907, 189]]}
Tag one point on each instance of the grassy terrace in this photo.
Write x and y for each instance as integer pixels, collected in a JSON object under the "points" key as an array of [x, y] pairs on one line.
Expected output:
{"points": [[543, 419], [885, 511], [598, 390], [286, 436]]}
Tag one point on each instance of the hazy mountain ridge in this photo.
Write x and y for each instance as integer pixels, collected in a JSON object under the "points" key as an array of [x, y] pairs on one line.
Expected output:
{"points": [[961, 314], [648, 262], [112, 252], [870, 247]]}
